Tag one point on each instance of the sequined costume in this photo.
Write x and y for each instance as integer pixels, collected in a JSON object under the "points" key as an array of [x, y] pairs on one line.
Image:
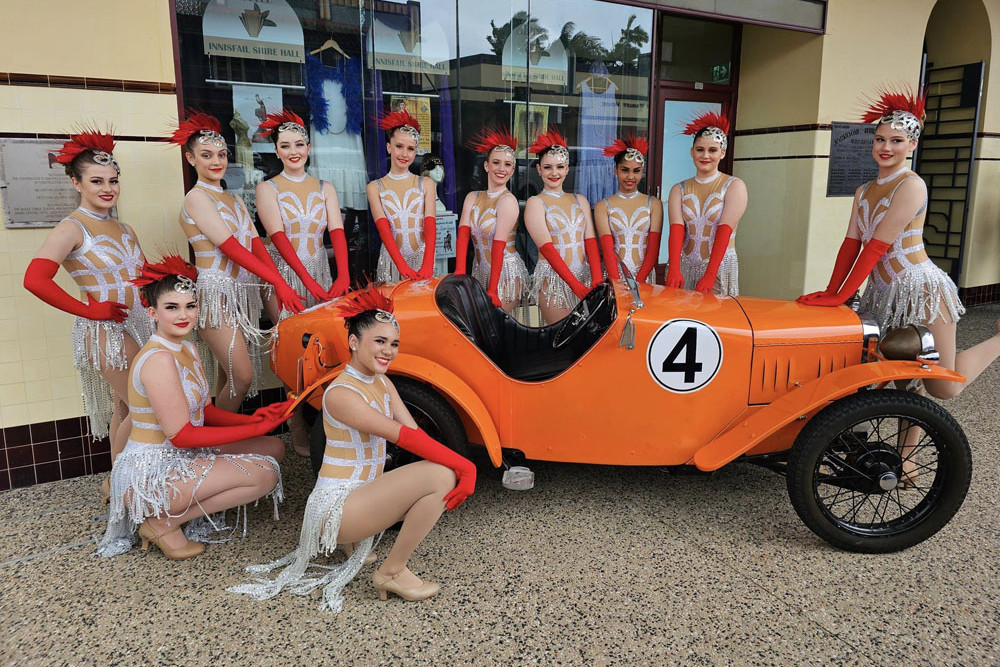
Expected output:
{"points": [[629, 221], [402, 200], [566, 224], [145, 475], [701, 207], [514, 279], [351, 459], [905, 287], [303, 215], [228, 294], [102, 266]]}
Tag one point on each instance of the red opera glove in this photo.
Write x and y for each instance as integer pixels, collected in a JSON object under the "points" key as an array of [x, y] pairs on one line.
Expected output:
{"points": [[462, 250], [389, 243], [652, 253], [675, 244], [610, 256], [719, 247], [551, 255], [342, 285], [38, 279], [216, 416], [497, 251], [287, 298], [594, 260], [415, 441], [867, 260], [845, 260], [287, 252], [214, 436], [258, 250], [430, 239]]}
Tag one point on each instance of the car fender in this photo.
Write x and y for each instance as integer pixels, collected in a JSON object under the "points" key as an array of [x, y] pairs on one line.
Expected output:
{"points": [[452, 386], [745, 433]]}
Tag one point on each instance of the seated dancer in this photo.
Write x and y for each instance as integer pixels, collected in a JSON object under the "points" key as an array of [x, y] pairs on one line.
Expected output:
{"points": [[185, 457], [230, 257], [403, 206], [560, 225], [490, 218], [704, 212], [353, 500], [629, 224], [102, 255]]}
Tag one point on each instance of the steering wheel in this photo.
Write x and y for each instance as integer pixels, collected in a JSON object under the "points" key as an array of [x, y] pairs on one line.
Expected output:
{"points": [[581, 316]]}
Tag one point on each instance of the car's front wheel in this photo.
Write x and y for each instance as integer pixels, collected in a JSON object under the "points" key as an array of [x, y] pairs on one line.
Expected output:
{"points": [[879, 471]]}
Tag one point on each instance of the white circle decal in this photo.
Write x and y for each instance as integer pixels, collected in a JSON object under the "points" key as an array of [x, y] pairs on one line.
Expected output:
{"points": [[684, 355]]}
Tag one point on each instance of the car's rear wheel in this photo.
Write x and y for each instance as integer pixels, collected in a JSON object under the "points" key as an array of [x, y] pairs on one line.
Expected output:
{"points": [[431, 412], [847, 471]]}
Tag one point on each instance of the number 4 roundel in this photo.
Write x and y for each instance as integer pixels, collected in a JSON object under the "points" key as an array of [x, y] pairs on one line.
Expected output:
{"points": [[684, 355]]}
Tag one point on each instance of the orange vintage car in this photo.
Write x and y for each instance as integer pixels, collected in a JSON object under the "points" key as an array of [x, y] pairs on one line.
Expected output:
{"points": [[645, 375]]}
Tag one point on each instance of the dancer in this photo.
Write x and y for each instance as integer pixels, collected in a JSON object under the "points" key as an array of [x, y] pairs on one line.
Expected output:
{"points": [[402, 205], [228, 253], [704, 212], [560, 225], [627, 223], [102, 255], [490, 218], [353, 500], [185, 457]]}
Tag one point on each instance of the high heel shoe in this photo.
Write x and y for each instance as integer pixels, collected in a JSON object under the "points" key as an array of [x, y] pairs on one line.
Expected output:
{"points": [[386, 584], [105, 490], [189, 550]]}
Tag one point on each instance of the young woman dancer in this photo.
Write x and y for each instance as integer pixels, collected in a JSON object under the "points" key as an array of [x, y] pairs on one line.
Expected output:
{"points": [[560, 225], [628, 223], [489, 217], [230, 257], [185, 458], [704, 212], [353, 501], [403, 205], [102, 255]]}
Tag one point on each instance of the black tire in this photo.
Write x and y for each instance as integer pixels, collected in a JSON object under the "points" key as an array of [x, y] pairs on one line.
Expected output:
{"points": [[431, 412], [847, 455]]}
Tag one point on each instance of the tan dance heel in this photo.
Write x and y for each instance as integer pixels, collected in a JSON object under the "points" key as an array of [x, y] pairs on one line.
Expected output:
{"points": [[189, 550], [105, 490], [386, 584]]}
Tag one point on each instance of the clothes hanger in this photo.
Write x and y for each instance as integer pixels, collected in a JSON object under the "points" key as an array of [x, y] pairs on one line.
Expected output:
{"points": [[330, 44]]}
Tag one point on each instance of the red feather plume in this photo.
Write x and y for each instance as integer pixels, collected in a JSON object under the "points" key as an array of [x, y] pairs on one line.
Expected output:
{"points": [[195, 122], [548, 140], [170, 265], [489, 138], [273, 120], [85, 139], [365, 300], [622, 145], [391, 121], [709, 119], [890, 100]]}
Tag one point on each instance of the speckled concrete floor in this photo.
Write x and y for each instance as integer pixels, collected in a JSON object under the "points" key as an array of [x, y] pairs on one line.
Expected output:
{"points": [[593, 566]]}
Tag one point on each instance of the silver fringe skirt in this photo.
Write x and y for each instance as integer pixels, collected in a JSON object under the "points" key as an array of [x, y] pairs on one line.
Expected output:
{"points": [[317, 266], [90, 358], [515, 282], [546, 282], [919, 295], [386, 271], [727, 280]]}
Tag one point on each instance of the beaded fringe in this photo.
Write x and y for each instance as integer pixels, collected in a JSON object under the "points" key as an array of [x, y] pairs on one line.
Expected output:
{"points": [[317, 266], [386, 270], [919, 295], [557, 293], [727, 280], [515, 282]]}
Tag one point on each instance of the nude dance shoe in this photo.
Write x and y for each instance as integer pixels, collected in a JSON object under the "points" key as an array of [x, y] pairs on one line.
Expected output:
{"points": [[386, 584], [189, 550]]}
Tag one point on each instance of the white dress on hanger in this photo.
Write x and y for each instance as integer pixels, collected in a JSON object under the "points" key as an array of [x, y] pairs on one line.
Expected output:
{"points": [[337, 155]]}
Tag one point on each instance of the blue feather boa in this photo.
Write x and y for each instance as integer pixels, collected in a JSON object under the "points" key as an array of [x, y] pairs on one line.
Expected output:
{"points": [[348, 74]]}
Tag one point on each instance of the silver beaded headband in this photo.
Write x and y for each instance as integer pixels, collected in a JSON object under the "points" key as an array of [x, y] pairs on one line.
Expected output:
{"points": [[293, 127], [185, 285], [905, 121], [107, 159], [502, 147], [410, 130], [561, 153], [211, 137], [634, 154], [385, 317], [716, 134]]}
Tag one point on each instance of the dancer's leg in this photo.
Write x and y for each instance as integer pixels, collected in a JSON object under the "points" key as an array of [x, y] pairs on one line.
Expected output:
{"points": [[219, 340], [969, 363]]}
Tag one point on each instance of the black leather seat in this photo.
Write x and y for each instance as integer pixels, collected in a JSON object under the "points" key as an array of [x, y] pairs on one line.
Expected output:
{"points": [[521, 352]]}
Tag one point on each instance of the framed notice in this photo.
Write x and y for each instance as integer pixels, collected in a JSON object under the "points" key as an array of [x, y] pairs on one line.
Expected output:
{"points": [[420, 108], [35, 189], [530, 120], [851, 161]]}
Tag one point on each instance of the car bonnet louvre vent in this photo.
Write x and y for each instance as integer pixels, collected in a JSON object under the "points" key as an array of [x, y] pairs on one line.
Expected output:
{"points": [[777, 370]]}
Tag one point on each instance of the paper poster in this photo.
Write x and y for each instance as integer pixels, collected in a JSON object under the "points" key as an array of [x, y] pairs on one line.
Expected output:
{"points": [[252, 104], [446, 236], [534, 119], [419, 108]]}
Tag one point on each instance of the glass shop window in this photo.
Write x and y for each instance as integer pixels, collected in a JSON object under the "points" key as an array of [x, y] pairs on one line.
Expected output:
{"points": [[693, 50]]}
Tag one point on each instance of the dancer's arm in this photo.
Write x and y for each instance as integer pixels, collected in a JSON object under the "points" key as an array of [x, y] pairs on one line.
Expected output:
{"points": [[430, 228], [464, 231], [675, 241], [652, 240], [338, 239], [603, 228]]}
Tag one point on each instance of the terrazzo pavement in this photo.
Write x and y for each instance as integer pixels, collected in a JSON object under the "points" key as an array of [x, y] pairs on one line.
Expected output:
{"points": [[594, 566]]}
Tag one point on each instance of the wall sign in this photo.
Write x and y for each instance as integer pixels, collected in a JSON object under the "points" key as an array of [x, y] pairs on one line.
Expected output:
{"points": [[259, 29], [36, 190], [851, 161]]}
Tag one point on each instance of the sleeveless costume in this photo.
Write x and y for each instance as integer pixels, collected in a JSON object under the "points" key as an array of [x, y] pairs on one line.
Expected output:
{"points": [[149, 467], [351, 460], [102, 267], [514, 279], [905, 287], [701, 207], [403, 204], [303, 216], [629, 221], [228, 294], [566, 228]]}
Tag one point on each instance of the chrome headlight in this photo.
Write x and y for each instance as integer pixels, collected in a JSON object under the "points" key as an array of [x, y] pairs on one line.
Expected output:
{"points": [[913, 342]]}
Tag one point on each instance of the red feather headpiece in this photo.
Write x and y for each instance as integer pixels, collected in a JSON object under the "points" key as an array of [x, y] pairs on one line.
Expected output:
{"points": [[171, 266], [197, 121], [547, 140], [274, 120], [709, 119], [638, 144], [365, 300], [391, 121], [86, 139], [492, 137], [895, 100]]}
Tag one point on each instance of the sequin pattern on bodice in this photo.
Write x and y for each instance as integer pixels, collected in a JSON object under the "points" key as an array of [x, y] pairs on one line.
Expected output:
{"points": [[629, 220], [107, 259], [352, 456], [701, 207], [207, 257], [145, 427], [483, 224], [303, 212], [907, 250], [403, 204], [566, 227]]}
